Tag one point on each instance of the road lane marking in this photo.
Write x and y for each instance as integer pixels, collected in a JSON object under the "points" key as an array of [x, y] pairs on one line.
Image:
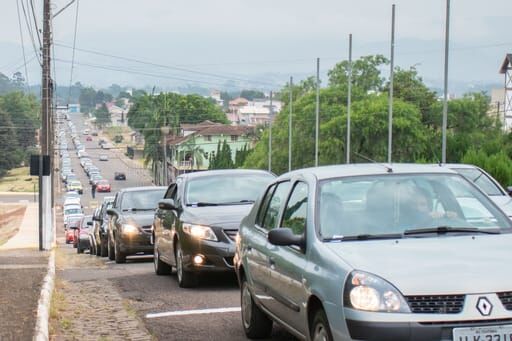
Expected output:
{"points": [[194, 312]]}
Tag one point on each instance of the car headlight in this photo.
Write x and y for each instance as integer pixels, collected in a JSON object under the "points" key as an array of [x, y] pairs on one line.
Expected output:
{"points": [[200, 232], [130, 229], [364, 291]]}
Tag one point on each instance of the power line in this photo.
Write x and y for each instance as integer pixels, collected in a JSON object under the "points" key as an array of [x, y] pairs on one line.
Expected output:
{"points": [[35, 21], [74, 49], [22, 46], [165, 66], [30, 31]]}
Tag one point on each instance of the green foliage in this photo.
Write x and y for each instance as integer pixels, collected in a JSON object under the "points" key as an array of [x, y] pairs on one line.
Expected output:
{"points": [[251, 94], [498, 165], [87, 99], [103, 117], [9, 147], [241, 156], [365, 73], [222, 158], [7, 85]]}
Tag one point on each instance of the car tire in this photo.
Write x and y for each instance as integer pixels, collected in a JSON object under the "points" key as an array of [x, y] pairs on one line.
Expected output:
{"points": [[111, 255], [186, 279], [103, 249], [120, 257], [161, 268], [320, 330], [256, 323]]}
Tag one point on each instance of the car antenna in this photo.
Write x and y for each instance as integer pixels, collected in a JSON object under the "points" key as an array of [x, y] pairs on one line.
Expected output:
{"points": [[388, 168]]}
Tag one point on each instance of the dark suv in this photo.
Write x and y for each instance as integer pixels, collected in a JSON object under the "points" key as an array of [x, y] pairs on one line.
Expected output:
{"points": [[197, 222], [100, 229], [131, 215]]}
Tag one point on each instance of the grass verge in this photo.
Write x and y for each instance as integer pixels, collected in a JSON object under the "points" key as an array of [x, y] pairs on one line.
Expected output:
{"points": [[18, 180]]}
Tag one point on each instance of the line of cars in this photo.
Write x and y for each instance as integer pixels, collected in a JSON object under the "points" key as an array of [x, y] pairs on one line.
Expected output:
{"points": [[352, 252]]}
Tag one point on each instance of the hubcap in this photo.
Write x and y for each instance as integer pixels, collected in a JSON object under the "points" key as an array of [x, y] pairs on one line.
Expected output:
{"points": [[246, 306], [320, 333]]}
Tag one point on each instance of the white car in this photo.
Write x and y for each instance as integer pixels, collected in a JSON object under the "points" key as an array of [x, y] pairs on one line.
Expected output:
{"points": [[71, 201], [72, 211], [103, 157]]}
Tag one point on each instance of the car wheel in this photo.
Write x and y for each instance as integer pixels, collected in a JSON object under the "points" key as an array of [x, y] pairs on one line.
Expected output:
{"points": [[320, 330], [161, 268], [186, 279], [256, 323], [111, 254], [103, 249], [120, 257]]}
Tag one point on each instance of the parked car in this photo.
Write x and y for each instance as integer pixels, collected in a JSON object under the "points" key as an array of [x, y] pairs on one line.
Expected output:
{"points": [[100, 227], [131, 215], [95, 178], [375, 252], [75, 185], [82, 234], [73, 224], [197, 221], [103, 157], [103, 186], [119, 176], [487, 183], [71, 211]]}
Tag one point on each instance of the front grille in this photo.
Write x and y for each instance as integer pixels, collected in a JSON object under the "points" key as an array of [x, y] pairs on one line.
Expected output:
{"points": [[231, 234], [436, 304], [146, 228], [506, 299]]}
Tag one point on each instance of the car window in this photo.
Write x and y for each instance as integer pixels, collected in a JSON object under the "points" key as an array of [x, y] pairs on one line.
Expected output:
{"points": [[481, 179], [275, 201], [264, 204], [171, 192], [295, 214]]}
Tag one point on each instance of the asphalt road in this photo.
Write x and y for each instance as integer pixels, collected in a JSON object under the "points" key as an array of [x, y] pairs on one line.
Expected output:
{"points": [[151, 294]]}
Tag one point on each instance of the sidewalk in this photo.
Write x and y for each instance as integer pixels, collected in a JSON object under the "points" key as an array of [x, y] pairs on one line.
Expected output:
{"points": [[22, 271]]}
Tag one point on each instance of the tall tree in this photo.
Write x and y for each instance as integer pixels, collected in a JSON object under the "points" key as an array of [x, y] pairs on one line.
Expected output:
{"points": [[103, 117]]}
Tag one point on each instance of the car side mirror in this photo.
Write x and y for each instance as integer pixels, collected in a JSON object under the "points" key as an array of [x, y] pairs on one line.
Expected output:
{"points": [[167, 204], [509, 190], [284, 236], [113, 211]]}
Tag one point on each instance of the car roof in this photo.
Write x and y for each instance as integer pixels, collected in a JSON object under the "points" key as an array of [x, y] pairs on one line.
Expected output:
{"points": [[70, 207], [141, 188], [194, 175], [357, 169]]}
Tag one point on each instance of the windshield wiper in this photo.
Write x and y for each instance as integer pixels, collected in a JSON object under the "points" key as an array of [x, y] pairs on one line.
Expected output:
{"points": [[138, 209], [202, 204], [449, 229], [369, 236]]}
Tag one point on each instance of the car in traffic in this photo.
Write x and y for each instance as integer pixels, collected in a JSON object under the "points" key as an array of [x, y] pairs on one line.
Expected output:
{"points": [[103, 186], [103, 157], [88, 138], [197, 221], [72, 211], [487, 183], [119, 176], [72, 225], [130, 218], [376, 252], [74, 185], [82, 234], [100, 228]]}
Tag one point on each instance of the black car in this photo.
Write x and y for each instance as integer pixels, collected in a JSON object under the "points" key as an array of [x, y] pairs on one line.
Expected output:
{"points": [[100, 229], [119, 176], [196, 224], [130, 218]]}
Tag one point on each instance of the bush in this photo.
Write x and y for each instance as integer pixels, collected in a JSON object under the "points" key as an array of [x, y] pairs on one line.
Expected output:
{"points": [[498, 165]]}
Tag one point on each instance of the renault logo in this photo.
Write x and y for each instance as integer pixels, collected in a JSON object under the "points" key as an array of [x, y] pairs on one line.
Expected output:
{"points": [[484, 306]]}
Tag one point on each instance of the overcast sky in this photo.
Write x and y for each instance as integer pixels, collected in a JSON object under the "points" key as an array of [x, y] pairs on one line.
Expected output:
{"points": [[265, 39]]}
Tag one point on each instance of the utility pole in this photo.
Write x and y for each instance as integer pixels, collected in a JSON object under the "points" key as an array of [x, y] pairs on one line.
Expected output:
{"points": [[45, 182], [317, 111], [270, 135], [349, 97], [391, 76], [445, 97], [290, 127]]}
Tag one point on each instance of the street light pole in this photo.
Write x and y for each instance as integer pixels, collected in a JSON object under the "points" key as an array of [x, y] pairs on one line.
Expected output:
{"points": [[445, 96], [391, 77], [349, 96], [270, 135], [317, 111], [290, 127]]}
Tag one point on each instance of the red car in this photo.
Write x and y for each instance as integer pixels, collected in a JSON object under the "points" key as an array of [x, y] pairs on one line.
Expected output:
{"points": [[82, 234], [103, 186], [72, 226]]}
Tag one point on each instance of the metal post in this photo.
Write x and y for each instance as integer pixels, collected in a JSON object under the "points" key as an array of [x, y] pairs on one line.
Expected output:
{"points": [[317, 111], [349, 96], [445, 96], [270, 135], [391, 76], [290, 127]]}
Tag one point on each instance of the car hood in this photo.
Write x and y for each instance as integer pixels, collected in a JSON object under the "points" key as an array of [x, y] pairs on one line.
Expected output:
{"points": [[429, 266], [504, 202], [228, 216], [143, 218]]}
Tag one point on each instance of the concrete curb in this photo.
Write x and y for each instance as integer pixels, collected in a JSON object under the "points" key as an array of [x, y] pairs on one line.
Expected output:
{"points": [[43, 307]]}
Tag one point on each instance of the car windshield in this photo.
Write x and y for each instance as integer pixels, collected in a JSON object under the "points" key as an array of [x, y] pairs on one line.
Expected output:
{"points": [[397, 204], [481, 179], [142, 200], [103, 182], [226, 189], [72, 211]]}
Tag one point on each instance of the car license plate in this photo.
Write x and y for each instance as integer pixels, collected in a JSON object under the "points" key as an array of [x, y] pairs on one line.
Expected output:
{"points": [[489, 333]]}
